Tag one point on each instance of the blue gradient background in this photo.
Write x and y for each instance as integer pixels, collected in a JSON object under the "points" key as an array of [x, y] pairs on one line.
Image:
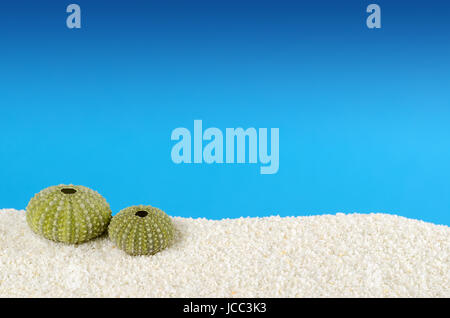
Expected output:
{"points": [[364, 115]]}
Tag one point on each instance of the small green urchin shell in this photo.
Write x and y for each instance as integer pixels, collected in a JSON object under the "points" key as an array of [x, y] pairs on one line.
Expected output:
{"points": [[68, 213], [141, 230]]}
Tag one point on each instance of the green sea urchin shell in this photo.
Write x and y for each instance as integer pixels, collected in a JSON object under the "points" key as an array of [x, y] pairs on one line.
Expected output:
{"points": [[141, 230], [68, 213]]}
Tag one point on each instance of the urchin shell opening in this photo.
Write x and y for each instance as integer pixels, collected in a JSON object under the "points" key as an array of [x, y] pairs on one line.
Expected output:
{"points": [[141, 213], [68, 190]]}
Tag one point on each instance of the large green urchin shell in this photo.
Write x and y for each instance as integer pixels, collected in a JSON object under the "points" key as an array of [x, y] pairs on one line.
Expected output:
{"points": [[141, 230], [68, 213]]}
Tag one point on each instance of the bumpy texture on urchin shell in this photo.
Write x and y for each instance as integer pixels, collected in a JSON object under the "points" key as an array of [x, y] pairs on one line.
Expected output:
{"points": [[138, 233], [68, 213]]}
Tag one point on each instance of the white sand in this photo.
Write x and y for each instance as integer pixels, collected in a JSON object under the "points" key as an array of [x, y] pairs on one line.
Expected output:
{"points": [[360, 255]]}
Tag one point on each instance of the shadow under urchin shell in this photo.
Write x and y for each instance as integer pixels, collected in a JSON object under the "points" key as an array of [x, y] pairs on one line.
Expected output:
{"points": [[68, 214], [141, 230]]}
